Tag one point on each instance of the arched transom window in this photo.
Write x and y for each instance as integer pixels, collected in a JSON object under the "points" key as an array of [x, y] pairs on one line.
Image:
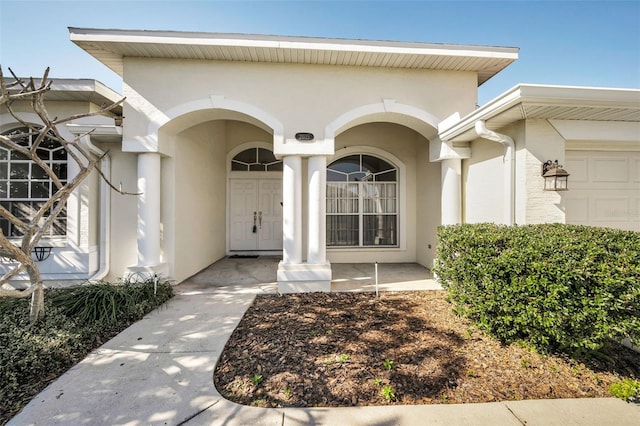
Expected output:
{"points": [[256, 160], [362, 202], [25, 186]]}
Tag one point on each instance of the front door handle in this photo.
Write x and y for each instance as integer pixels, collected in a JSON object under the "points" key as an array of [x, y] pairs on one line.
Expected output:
{"points": [[260, 218]]}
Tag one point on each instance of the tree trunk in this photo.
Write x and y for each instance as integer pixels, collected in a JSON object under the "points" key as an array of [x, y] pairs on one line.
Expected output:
{"points": [[37, 303], [37, 297]]}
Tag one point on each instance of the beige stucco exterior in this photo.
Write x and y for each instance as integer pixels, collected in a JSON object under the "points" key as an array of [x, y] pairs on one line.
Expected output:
{"points": [[195, 101]]}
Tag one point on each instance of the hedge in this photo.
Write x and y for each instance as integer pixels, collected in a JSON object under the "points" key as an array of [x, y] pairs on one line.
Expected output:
{"points": [[558, 287]]}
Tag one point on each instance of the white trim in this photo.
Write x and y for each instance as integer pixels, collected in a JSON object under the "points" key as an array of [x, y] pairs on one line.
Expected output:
{"points": [[402, 194], [159, 119], [359, 115]]}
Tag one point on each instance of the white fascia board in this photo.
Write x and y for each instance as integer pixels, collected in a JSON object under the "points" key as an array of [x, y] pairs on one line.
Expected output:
{"points": [[505, 101], [580, 96], [283, 42]]}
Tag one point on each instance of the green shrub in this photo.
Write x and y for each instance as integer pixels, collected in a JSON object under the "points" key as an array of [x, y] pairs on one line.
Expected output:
{"points": [[558, 287], [76, 321], [625, 389]]}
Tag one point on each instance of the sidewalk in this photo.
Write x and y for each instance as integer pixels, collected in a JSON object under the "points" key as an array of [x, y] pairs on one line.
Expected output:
{"points": [[159, 371]]}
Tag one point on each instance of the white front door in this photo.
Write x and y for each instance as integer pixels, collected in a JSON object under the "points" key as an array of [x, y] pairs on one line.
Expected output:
{"points": [[255, 214]]}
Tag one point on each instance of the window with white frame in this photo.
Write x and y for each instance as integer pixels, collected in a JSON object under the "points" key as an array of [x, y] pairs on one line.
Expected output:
{"points": [[25, 186], [362, 202]]}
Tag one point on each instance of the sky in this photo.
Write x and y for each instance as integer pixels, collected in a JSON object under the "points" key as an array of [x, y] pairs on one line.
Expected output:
{"points": [[577, 43]]}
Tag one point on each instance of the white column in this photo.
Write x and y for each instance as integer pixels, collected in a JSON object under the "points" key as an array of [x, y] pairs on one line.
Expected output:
{"points": [[149, 209], [317, 237], [292, 209], [451, 186]]}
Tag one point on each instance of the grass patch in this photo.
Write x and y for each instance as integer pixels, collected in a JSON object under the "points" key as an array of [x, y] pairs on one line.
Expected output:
{"points": [[76, 321]]}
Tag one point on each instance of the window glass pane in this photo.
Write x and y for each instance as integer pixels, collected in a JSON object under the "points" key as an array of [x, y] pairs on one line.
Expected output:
{"points": [[39, 189], [348, 164], [4, 154], [386, 176], [375, 164], [19, 189], [335, 176], [248, 156], [379, 230], [59, 154], [43, 154], [4, 225], [265, 156], [4, 169], [3, 189], [239, 166], [342, 231], [38, 173], [22, 209], [19, 170], [275, 167], [256, 168], [15, 155]]}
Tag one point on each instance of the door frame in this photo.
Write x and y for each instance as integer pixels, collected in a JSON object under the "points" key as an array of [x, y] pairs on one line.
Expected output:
{"points": [[232, 175]]}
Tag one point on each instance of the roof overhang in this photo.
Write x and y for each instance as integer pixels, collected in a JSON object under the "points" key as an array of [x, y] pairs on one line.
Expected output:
{"points": [[527, 101], [80, 90], [111, 46]]}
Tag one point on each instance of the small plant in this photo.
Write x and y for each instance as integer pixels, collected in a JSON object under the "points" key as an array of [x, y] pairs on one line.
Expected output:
{"points": [[313, 333], [342, 358], [287, 392], [256, 379], [626, 389], [469, 333], [471, 373], [524, 363], [388, 364], [328, 361], [388, 392], [377, 382], [329, 332]]}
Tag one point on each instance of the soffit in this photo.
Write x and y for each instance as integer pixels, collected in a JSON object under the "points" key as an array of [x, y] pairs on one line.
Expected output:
{"points": [[111, 46]]}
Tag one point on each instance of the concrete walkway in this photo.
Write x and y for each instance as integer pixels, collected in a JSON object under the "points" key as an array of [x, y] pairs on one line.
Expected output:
{"points": [[159, 371]]}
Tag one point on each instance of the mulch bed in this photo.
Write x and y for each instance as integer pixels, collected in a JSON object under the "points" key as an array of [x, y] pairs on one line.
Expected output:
{"points": [[353, 349]]}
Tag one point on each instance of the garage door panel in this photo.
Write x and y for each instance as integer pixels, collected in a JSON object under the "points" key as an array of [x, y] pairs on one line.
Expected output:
{"points": [[610, 170], [604, 189]]}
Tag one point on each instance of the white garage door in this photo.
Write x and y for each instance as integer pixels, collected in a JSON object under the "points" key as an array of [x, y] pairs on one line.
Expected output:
{"points": [[604, 189]]}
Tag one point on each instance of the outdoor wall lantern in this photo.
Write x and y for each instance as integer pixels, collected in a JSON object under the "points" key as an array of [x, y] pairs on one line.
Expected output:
{"points": [[555, 177], [42, 253]]}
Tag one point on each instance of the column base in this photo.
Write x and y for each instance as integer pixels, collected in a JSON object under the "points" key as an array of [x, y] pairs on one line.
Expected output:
{"points": [[304, 278], [142, 272]]}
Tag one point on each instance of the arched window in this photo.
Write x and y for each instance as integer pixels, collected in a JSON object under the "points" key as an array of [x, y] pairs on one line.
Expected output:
{"points": [[362, 202], [24, 186], [256, 160]]}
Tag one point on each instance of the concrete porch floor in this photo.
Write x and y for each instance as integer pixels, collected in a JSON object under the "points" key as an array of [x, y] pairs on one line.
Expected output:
{"points": [[345, 276]]}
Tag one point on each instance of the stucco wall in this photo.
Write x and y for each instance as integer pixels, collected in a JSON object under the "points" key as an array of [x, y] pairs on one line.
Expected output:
{"points": [[483, 183], [200, 198], [428, 201], [124, 211], [302, 97]]}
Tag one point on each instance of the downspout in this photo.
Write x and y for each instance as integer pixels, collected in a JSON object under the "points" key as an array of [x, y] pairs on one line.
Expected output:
{"points": [[509, 170], [105, 210]]}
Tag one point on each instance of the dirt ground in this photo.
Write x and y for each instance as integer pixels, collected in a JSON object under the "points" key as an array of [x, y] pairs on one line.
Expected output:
{"points": [[353, 349]]}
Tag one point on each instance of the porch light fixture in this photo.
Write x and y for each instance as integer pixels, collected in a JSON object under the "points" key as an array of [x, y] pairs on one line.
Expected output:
{"points": [[304, 137], [555, 177]]}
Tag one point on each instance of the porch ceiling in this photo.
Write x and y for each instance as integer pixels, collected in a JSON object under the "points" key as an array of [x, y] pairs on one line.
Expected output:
{"points": [[549, 102], [111, 46]]}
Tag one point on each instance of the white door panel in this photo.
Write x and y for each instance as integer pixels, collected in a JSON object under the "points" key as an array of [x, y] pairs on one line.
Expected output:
{"points": [[255, 202]]}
